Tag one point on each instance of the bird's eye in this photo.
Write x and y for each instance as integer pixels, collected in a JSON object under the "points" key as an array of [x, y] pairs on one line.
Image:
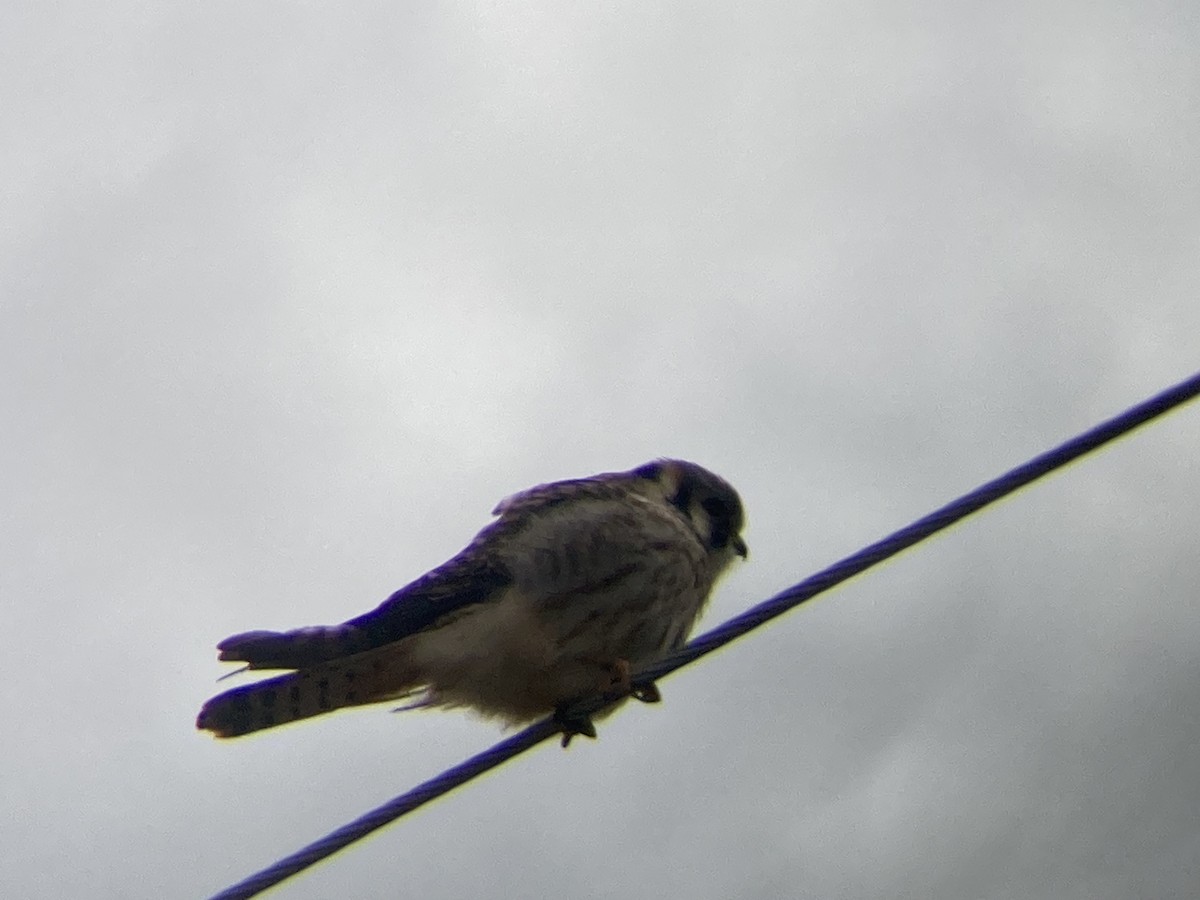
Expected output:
{"points": [[715, 507]]}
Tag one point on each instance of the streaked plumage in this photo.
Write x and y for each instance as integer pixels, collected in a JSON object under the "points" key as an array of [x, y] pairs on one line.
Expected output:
{"points": [[574, 584]]}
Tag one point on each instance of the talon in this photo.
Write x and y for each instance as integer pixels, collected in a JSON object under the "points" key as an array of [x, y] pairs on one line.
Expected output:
{"points": [[573, 724], [647, 693]]}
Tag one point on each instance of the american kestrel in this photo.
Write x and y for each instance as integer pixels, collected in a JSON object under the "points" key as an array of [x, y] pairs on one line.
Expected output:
{"points": [[574, 586]]}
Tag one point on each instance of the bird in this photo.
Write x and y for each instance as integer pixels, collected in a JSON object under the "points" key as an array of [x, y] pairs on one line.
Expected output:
{"points": [[573, 587]]}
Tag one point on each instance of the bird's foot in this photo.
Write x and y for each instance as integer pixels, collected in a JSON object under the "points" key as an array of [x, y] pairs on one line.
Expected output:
{"points": [[573, 724], [647, 693], [617, 683], [621, 683]]}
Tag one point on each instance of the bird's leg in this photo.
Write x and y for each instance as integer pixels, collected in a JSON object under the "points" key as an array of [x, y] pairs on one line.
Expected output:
{"points": [[622, 683], [617, 682], [618, 677]]}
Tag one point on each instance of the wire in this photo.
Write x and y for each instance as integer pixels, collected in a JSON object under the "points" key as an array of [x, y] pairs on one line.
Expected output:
{"points": [[706, 643]]}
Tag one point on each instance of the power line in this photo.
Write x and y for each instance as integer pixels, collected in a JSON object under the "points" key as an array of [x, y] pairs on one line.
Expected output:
{"points": [[723, 634]]}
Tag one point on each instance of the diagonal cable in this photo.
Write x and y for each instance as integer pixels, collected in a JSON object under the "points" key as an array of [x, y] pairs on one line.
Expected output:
{"points": [[752, 618]]}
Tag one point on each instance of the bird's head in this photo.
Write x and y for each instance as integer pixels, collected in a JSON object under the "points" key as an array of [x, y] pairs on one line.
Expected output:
{"points": [[706, 500]]}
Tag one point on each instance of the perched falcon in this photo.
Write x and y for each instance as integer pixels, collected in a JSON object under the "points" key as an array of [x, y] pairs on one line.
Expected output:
{"points": [[574, 586]]}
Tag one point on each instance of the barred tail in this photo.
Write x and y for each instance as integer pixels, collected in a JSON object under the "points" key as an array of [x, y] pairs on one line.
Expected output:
{"points": [[369, 677], [293, 649]]}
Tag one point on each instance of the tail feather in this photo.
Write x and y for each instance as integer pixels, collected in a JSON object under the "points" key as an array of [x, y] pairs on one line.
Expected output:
{"points": [[294, 649], [364, 678]]}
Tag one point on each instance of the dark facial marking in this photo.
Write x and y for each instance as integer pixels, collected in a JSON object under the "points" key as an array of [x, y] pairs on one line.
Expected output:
{"points": [[724, 513], [721, 533], [683, 497]]}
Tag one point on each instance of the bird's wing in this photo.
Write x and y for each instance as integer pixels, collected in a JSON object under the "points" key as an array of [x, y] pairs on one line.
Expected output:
{"points": [[563, 539], [473, 576], [467, 579]]}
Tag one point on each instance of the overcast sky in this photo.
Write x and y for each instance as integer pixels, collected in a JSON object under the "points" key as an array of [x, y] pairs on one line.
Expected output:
{"points": [[292, 294]]}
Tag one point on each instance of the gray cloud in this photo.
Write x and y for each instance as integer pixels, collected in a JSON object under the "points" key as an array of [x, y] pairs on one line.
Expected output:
{"points": [[291, 297]]}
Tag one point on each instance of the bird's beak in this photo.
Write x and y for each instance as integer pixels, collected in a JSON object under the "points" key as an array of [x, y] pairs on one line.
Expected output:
{"points": [[739, 546]]}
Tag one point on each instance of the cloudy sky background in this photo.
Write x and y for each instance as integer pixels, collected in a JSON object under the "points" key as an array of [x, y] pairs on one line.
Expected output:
{"points": [[293, 294]]}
